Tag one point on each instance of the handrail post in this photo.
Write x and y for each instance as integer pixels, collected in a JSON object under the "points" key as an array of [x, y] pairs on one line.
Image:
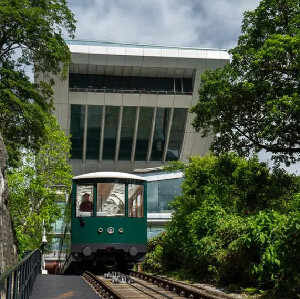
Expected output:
{"points": [[16, 276], [8, 286]]}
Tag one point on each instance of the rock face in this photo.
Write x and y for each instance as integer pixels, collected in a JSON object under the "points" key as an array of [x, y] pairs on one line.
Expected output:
{"points": [[8, 248]]}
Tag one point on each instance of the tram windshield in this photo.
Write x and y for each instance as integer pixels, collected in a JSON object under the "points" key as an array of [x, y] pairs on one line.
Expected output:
{"points": [[110, 199]]}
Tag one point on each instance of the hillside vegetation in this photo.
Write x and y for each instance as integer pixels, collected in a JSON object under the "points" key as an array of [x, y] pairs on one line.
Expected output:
{"points": [[237, 223]]}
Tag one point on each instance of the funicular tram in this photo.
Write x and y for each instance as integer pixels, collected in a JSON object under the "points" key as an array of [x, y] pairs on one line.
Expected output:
{"points": [[105, 222]]}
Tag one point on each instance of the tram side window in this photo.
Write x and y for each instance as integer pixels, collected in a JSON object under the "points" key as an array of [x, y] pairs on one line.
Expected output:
{"points": [[84, 201], [110, 199], [135, 201]]}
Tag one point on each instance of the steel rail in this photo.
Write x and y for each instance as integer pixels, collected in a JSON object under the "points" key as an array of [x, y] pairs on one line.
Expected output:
{"points": [[217, 293], [150, 289], [102, 288], [178, 288], [106, 291]]}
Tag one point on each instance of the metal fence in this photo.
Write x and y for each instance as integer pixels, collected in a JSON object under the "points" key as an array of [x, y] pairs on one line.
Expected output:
{"points": [[18, 281]]}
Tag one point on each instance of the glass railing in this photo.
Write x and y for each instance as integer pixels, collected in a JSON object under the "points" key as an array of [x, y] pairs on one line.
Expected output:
{"points": [[132, 91], [133, 45]]}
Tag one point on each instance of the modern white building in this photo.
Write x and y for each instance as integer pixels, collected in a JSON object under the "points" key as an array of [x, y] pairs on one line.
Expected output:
{"points": [[126, 105]]}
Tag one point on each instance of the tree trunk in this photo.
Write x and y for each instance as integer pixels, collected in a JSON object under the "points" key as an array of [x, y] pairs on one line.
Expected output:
{"points": [[8, 242]]}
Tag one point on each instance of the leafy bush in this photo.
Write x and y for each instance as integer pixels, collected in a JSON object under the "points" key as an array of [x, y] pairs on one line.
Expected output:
{"points": [[237, 222], [153, 262]]}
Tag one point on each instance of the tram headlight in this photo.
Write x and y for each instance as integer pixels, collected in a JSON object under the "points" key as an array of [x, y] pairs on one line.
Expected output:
{"points": [[100, 230], [87, 251], [120, 230], [133, 251], [110, 230]]}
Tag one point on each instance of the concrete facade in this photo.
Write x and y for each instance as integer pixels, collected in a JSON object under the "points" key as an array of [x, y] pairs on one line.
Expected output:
{"points": [[113, 59]]}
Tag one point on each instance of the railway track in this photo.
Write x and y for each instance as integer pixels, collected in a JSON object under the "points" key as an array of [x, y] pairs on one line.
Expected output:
{"points": [[139, 285]]}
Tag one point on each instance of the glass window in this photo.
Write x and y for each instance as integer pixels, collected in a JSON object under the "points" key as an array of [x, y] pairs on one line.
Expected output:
{"points": [[57, 226], [92, 81], [110, 132], [55, 244], [143, 133], [152, 197], [176, 134], [83, 80], [135, 201], [84, 200], [167, 84], [110, 199], [167, 190], [116, 82], [178, 87], [159, 138], [160, 193], [126, 83], [187, 84], [153, 231], [77, 126], [93, 131], [73, 80], [129, 82], [127, 131]]}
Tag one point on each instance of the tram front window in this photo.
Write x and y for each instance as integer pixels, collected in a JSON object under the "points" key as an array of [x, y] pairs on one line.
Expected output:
{"points": [[135, 201], [110, 199], [84, 201]]}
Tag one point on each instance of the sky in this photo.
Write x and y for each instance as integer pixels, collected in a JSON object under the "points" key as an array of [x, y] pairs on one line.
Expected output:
{"points": [[197, 23]]}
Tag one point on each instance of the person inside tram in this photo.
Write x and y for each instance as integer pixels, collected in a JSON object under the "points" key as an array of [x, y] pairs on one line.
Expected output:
{"points": [[86, 205]]}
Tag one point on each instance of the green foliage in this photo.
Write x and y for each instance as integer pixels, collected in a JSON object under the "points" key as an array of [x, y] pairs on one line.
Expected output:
{"points": [[236, 223], [174, 166], [33, 194], [30, 35], [253, 103], [259, 243], [289, 251], [23, 110], [35, 28], [153, 262]]}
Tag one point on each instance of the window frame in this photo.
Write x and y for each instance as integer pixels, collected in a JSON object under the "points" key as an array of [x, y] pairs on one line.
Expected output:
{"points": [[94, 182], [115, 215], [81, 214], [142, 203]]}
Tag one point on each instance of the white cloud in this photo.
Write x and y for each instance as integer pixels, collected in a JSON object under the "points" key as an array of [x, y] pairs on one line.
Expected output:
{"points": [[201, 23]]}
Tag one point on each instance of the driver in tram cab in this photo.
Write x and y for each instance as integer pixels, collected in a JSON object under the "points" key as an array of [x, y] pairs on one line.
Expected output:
{"points": [[86, 205]]}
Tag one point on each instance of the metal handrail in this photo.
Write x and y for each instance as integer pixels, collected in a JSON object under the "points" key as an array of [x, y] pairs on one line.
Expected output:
{"points": [[133, 91], [18, 281]]}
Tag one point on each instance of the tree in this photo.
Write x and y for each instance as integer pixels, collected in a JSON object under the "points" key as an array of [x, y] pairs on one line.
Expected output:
{"points": [[253, 103], [30, 35], [236, 222], [33, 187]]}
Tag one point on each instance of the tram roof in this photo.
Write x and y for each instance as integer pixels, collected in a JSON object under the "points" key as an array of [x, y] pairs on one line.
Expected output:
{"points": [[109, 175]]}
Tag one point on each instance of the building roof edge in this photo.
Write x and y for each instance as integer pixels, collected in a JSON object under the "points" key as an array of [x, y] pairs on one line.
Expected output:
{"points": [[81, 42]]}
